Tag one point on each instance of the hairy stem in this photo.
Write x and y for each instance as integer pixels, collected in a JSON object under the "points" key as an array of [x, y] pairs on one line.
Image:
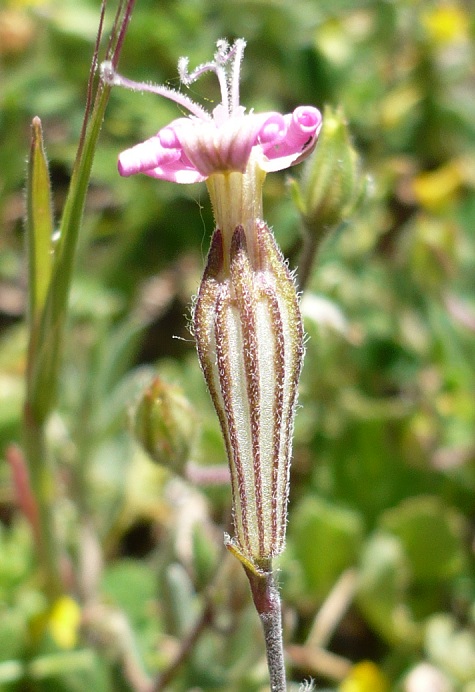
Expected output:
{"points": [[266, 598]]}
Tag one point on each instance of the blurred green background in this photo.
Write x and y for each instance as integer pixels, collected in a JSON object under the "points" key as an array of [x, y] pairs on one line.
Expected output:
{"points": [[383, 476]]}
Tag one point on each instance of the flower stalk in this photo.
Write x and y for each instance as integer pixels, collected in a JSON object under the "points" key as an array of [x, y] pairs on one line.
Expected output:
{"points": [[331, 188], [266, 597]]}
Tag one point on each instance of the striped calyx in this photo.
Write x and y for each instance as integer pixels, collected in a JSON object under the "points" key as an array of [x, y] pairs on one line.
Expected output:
{"points": [[249, 337]]}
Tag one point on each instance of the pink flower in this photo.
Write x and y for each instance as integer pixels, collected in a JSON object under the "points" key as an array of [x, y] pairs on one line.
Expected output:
{"points": [[192, 148]]}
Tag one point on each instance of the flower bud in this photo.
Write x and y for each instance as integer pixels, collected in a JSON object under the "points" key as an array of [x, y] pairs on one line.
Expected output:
{"points": [[165, 425], [249, 337], [331, 184]]}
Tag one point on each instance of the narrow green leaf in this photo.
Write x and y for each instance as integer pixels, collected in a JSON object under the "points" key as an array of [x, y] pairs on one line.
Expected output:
{"points": [[44, 374], [39, 223]]}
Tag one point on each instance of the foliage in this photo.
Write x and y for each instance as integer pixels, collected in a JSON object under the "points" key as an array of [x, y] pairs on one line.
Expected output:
{"points": [[383, 476]]}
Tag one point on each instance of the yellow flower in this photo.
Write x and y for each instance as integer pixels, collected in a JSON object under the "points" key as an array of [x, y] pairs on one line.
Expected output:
{"points": [[365, 677], [435, 189], [64, 621], [446, 24]]}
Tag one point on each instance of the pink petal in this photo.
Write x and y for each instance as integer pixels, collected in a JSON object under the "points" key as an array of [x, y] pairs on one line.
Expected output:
{"points": [[227, 147], [144, 156], [176, 172], [303, 126], [188, 150]]}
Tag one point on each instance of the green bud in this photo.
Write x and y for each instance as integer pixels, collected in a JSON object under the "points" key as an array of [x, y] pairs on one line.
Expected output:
{"points": [[332, 183], [165, 425]]}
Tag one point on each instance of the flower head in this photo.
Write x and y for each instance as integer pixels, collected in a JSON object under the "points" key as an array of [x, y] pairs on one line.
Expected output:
{"points": [[190, 149], [246, 318]]}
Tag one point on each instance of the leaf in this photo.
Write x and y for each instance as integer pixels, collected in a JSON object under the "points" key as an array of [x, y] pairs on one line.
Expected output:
{"points": [[382, 589], [131, 586], [44, 366], [326, 540], [431, 535], [39, 223]]}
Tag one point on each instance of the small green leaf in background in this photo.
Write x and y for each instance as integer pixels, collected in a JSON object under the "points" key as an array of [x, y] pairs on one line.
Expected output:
{"points": [[132, 621], [131, 586], [431, 535], [326, 539], [180, 602], [15, 558], [382, 588], [205, 554], [407, 565], [13, 634]]}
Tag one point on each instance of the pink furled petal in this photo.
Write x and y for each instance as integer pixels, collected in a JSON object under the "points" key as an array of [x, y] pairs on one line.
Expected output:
{"points": [[303, 126], [145, 156], [273, 128], [303, 123], [168, 135]]}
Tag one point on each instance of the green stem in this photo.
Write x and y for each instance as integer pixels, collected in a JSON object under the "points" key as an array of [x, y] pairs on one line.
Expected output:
{"points": [[308, 253], [42, 481], [47, 324], [45, 356]]}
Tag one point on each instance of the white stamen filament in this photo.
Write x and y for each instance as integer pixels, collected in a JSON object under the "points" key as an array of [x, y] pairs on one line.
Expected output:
{"points": [[228, 79], [238, 50], [113, 78]]}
